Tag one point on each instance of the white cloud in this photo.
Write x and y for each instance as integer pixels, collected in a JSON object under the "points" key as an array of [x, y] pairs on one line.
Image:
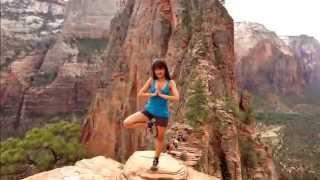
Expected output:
{"points": [[285, 17]]}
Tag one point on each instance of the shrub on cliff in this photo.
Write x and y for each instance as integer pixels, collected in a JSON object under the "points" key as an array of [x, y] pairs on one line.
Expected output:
{"points": [[246, 116], [197, 110], [42, 148], [88, 48], [249, 157]]}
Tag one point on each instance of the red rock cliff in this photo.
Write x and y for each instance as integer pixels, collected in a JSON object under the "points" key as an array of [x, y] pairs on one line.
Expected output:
{"points": [[196, 39], [55, 78]]}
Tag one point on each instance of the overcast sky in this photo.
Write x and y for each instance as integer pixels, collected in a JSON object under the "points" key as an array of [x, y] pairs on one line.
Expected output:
{"points": [[285, 17]]}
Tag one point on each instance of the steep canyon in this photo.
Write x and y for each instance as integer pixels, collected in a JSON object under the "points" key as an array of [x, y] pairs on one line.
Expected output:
{"points": [[101, 55]]}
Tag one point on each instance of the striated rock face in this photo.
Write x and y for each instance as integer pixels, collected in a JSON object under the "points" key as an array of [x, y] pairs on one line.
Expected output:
{"points": [[92, 62], [28, 29], [283, 74], [136, 168], [57, 76], [196, 39], [264, 61], [248, 35], [284, 71], [89, 19], [307, 50], [273, 64], [28, 26]]}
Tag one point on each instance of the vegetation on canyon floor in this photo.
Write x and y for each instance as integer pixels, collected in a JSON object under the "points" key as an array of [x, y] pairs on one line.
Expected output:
{"points": [[299, 151], [273, 101]]}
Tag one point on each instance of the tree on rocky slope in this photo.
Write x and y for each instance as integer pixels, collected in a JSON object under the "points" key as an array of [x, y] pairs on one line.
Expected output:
{"points": [[41, 149]]}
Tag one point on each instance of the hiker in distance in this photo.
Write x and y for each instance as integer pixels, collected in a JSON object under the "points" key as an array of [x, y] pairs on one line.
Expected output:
{"points": [[159, 89]]}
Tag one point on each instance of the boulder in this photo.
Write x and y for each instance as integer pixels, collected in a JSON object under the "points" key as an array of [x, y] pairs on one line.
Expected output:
{"points": [[97, 168], [136, 168]]}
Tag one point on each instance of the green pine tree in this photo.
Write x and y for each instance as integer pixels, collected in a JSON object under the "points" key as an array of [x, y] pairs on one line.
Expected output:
{"points": [[197, 105]]}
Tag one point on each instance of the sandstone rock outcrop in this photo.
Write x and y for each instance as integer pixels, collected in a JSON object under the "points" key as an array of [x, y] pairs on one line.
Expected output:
{"points": [[199, 50], [28, 29], [282, 74], [139, 163], [96, 168], [272, 66], [184, 144], [28, 26], [110, 63], [136, 168], [89, 19], [57, 76], [264, 61], [307, 50]]}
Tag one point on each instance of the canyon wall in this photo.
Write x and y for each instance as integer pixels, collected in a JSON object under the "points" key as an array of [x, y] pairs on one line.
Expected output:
{"points": [[283, 70], [28, 26], [101, 55], [196, 40], [282, 73], [50, 65]]}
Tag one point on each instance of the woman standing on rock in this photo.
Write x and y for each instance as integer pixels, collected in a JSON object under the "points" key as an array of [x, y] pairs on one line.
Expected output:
{"points": [[161, 90]]}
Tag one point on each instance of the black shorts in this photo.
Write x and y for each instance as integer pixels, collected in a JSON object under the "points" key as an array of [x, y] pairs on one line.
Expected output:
{"points": [[160, 121]]}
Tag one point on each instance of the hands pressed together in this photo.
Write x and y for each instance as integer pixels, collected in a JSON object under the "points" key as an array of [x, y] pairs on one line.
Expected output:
{"points": [[173, 91], [157, 92]]}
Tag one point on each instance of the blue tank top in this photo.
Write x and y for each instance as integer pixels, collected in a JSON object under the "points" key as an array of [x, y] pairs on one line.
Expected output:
{"points": [[157, 105]]}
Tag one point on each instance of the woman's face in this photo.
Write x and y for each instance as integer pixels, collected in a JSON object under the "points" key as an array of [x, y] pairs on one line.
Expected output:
{"points": [[160, 72]]}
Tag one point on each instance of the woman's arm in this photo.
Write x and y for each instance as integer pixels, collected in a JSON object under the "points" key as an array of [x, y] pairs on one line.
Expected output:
{"points": [[142, 92], [174, 91]]}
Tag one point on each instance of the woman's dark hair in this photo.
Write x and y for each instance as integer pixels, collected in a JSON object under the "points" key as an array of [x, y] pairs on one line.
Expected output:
{"points": [[161, 64]]}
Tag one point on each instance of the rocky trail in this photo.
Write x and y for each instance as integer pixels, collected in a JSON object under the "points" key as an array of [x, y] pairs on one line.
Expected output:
{"points": [[184, 144], [189, 154]]}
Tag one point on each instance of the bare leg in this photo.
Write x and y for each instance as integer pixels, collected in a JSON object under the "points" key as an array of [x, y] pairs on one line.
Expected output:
{"points": [[159, 146], [160, 140], [135, 120]]}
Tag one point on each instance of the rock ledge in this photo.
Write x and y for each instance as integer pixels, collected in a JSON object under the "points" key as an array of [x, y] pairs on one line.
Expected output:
{"points": [[136, 168]]}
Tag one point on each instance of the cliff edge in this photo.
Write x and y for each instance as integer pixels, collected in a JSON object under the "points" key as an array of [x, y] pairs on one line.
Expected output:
{"points": [[136, 168]]}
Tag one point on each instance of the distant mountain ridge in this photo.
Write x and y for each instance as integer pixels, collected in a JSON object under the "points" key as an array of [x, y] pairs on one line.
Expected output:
{"points": [[282, 73], [273, 66]]}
